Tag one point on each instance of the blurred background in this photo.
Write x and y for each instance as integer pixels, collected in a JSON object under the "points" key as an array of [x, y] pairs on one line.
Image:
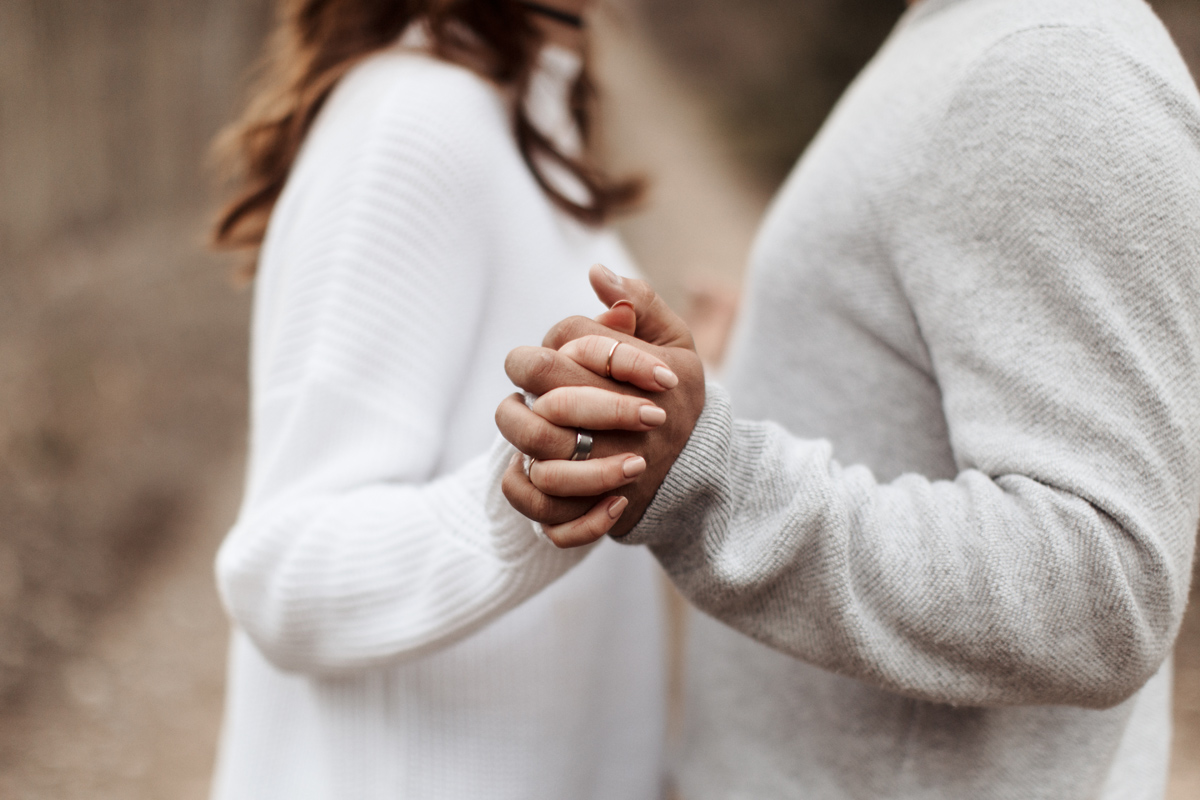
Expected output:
{"points": [[123, 343]]}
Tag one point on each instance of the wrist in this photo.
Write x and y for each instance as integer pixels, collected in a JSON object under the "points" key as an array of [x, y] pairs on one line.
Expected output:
{"points": [[695, 481]]}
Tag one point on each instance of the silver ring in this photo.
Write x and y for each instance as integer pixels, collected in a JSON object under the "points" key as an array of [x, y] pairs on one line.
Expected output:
{"points": [[583, 446]]}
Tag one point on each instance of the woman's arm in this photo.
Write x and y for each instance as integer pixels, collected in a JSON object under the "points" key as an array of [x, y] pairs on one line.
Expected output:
{"points": [[347, 552]]}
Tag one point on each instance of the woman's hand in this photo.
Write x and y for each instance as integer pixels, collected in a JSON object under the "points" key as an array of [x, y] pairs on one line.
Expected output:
{"points": [[641, 416]]}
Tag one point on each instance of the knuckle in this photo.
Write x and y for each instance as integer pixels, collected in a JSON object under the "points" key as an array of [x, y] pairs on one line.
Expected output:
{"points": [[530, 367], [540, 506], [558, 536], [554, 337], [562, 405], [541, 441], [640, 288], [523, 496], [541, 365], [595, 346], [575, 349], [503, 416], [546, 440], [623, 407], [512, 491], [514, 362], [572, 534], [550, 405], [578, 326], [559, 334], [590, 529], [567, 330], [550, 481]]}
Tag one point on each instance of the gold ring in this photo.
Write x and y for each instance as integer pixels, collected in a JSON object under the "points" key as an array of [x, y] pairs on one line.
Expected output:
{"points": [[608, 364]]}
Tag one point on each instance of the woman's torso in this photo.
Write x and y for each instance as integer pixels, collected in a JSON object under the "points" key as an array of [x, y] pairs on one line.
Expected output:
{"points": [[561, 697]]}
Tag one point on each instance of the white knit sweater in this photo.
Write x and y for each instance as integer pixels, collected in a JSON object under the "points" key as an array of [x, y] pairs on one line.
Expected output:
{"points": [[400, 631]]}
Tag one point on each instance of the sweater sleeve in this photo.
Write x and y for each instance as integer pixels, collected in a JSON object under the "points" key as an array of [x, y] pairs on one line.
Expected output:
{"points": [[348, 553], [1049, 250]]}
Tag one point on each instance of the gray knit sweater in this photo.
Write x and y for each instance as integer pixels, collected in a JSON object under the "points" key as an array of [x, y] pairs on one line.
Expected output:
{"points": [[952, 558]]}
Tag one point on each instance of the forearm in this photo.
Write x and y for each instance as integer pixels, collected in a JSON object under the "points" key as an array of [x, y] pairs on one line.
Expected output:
{"points": [[982, 591], [334, 582]]}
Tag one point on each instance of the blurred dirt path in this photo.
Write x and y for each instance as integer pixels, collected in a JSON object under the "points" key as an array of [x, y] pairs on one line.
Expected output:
{"points": [[135, 716]]}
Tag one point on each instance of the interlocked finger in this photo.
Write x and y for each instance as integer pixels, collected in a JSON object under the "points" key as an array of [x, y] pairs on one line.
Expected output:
{"points": [[559, 478], [590, 527], [536, 504], [540, 369], [532, 433], [622, 361], [598, 409]]}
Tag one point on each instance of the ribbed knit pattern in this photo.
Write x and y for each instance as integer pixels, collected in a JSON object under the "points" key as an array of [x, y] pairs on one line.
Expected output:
{"points": [[950, 564], [401, 632]]}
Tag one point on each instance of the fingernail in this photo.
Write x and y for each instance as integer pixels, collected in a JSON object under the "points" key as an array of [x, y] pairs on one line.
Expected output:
{"points": [[633, 467], [616, 507], [612, 277], [621, 303], [652, 415], [666, 378]]}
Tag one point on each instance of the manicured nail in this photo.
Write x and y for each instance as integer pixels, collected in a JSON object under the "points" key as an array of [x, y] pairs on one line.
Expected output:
{"points": [[666, 378], [611, 276], [633, 467], [652, 415], [616, 507]]}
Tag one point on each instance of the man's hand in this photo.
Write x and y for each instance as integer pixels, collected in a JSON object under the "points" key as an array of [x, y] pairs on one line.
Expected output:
{"points": [[640, 418]]}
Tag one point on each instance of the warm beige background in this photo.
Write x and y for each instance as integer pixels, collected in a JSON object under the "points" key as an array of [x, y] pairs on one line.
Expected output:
{"points": [[122, 345]]}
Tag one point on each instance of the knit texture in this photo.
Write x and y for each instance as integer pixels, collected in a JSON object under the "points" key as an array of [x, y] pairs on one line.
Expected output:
{"points": [[400, 630], [954, 562]]}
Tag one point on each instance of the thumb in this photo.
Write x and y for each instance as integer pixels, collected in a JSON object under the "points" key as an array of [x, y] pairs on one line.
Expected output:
{"points": [[622, 317], [656, 323]]}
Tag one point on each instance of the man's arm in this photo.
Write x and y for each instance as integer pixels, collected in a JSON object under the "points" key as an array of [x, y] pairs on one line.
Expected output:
{"points": [[1066, 341]]}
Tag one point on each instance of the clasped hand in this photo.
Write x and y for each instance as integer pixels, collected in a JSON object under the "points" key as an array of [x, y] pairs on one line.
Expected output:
{"points": [[632, 379]]}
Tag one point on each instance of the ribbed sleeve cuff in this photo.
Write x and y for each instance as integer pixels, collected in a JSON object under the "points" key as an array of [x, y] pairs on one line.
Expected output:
{"points": [[507, 536], [696, 481]]}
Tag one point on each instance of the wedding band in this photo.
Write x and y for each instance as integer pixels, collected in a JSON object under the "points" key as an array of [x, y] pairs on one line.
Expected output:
{"points": [[608, 365], [583, 446]]}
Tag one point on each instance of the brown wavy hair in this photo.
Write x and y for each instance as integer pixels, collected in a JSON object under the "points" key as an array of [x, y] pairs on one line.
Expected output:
{"points": [[316, 42]]}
